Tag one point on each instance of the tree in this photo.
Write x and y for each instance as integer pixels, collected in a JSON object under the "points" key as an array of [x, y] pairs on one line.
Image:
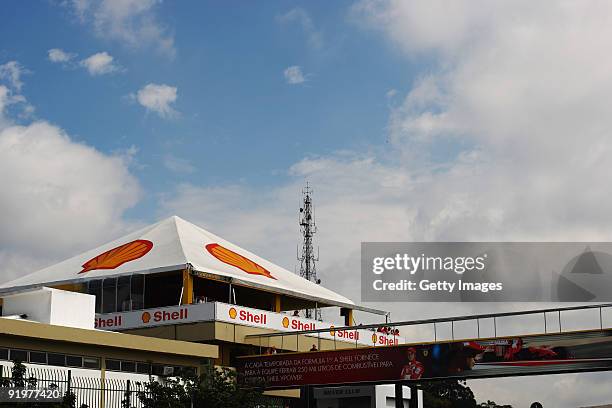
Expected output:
{"points": [[447, 394], [19, 379], [452, 394], [215, 388], [492, 404]]}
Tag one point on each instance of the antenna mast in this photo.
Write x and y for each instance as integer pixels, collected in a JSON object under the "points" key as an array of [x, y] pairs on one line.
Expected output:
{"points": [[307, 258]]}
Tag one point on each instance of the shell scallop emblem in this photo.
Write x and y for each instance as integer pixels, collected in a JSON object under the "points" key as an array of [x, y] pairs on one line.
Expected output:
{"points": [[285, 322], [232, 258], [146, 317], [232, 313], [374, 338], [116, 257]]}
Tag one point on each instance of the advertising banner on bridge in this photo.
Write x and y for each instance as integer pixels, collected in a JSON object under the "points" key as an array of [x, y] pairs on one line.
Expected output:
{"points": [[528, 355]]}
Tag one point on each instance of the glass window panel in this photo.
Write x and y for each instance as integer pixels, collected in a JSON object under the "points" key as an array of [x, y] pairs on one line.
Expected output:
{"points": [[38, 357], [128, 366], [56, 359], [113, 365], [143, 368], [91, 362], [19, 355], [158, 369], [137, 291], [95, 288], [74, 361], [123, 294], [109, 293]]}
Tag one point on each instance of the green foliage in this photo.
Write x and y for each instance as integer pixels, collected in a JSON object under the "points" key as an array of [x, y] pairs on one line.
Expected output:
{"points": [[18, 380], [18, 377], [452, 394], [215, 388], [492, 404], [448, 393]]}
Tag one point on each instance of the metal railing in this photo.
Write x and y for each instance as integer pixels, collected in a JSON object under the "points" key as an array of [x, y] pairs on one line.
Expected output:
{"points": [[435, 322], [95, 392], [89, 392]]}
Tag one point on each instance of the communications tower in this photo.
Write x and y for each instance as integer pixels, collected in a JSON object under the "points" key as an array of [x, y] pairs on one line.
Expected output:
{"points": [[307, 258]]}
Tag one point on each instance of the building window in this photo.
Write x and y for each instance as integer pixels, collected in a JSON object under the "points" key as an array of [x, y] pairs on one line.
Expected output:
{"points": [[113, 365], [123, 294], [137, 285], [109, 295], [74, 361], [128, 366], [91, 362], [56, 359], [38, 357], [62, 360], [143, 368], [18, 355], [94, 287]]}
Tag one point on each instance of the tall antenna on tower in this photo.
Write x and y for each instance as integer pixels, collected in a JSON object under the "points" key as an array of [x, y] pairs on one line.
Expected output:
{"points": [[307, 258]]}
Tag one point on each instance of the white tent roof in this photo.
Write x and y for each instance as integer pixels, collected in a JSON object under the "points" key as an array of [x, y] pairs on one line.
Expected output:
{"points": [[172, 244]]}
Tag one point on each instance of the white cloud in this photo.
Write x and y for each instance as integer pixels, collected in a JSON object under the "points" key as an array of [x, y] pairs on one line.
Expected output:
{"points": [[528, 133], [301, 17], [134, 23], [58, 196], [58, 55], [12, 72], [52, 184], [391, 93], [507, 139], [178, 164], [99, 64], [158, 98], [6, 99], [293, 75]]}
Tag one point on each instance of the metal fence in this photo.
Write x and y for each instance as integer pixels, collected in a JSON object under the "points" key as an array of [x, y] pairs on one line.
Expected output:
{"points": [[90, 392], [94, 392]]}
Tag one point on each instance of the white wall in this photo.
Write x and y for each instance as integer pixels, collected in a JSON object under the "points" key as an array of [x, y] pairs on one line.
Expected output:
{"points": [[35, 304], [73, 309], [385, 396], [53, 306]]}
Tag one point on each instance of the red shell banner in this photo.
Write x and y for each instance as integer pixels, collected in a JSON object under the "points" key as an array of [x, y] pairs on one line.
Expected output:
{"points": [[232, 258], [116, 257]]}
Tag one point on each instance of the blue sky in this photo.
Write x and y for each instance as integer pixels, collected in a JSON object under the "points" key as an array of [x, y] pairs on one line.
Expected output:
{"points": [[238, 120], [419, 120]]}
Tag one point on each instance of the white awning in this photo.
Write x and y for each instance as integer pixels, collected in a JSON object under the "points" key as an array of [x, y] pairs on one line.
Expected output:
{"points": [[173, 244]]}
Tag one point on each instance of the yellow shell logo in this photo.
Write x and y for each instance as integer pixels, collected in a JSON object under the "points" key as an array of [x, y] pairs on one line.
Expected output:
{"points": [[285, 322], [233, 313], [374, 338], [116, 257], [332, 331], [232, 258], [146, 317]]}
